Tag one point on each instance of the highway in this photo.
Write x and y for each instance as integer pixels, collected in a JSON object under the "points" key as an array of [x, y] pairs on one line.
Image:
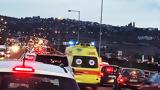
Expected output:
{"points": [[104, 88], [19, 54]]}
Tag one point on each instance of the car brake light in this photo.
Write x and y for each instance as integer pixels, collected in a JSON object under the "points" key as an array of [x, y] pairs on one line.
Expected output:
{"points": [[109, 69], [121, 80], [29, 57], [23, 69], [100, 75]]}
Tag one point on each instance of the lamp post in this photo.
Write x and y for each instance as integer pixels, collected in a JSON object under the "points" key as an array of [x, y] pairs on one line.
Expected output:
{"points": [[100, 31], [78, 20]]}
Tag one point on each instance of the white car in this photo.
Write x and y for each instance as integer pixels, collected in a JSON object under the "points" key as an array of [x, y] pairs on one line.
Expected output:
{"points": [[26, 75]]}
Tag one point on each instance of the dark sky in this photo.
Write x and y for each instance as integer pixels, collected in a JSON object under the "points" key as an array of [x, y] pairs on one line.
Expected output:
{"points": [[146, 13]]}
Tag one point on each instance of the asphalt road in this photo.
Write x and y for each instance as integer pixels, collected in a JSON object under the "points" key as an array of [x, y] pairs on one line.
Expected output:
{"points": [[18, 54], [104, 88]]}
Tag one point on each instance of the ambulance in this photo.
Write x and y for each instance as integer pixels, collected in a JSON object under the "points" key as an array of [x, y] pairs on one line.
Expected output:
{"points": [[85, 62]]}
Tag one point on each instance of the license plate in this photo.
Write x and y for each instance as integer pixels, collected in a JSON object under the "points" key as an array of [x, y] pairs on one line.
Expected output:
{"points": [[111, 76], [133, 80]]}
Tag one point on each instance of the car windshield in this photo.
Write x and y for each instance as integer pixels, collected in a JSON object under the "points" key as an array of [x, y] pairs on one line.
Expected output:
{"points": [[85, 62], [55, 60], [36, 82], [131, 72]]}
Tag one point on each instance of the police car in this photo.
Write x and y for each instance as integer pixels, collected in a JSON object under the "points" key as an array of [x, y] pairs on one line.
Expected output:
{"points": [[27, 75]]}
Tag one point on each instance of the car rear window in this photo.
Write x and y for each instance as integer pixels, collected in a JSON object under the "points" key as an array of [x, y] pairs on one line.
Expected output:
{"points": [[36, 82], [85, 62], [127, 72], [54, 60]]}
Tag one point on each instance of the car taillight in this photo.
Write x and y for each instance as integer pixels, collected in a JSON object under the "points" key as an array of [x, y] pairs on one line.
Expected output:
{"points": [[23, 69], [29, 57], [101, 64], [100, 75], [121, 80], [109, 69]]}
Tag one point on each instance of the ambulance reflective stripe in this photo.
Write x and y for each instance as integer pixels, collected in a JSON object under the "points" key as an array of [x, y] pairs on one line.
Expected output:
{"points": [[89, 72]]}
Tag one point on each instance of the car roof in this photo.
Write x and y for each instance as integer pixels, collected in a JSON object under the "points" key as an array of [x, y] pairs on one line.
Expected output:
{"points": [[40, 68], [52, 55], [114, 66], [131, 69]]}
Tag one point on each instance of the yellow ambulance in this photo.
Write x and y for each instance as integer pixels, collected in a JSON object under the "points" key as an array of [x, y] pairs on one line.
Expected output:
{"points": [[85, 62]]}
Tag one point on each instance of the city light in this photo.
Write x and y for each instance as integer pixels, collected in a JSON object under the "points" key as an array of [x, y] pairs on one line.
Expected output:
{"points": [[93, 43], [15, 48], [2, 19]]}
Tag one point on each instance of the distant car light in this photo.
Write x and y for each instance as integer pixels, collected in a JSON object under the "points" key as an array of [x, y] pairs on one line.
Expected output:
{"points": [[15, 48], [2, 53]]}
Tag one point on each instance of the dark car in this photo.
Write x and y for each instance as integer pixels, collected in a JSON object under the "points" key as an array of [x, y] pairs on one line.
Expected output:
{"points": [[110, 73], [153, 82], [130, 78]]}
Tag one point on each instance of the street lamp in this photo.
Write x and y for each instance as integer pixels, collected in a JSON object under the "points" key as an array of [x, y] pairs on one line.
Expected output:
{"points": [[78, 19], [77, 12], [100, 31]]}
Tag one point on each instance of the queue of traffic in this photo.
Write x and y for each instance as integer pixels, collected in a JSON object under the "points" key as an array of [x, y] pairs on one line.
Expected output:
{"points": [[89, 70], [37, 72], [80, 68]]}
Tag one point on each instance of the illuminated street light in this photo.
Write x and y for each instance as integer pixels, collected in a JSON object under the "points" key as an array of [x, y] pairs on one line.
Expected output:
{"points": [[78, 19]]}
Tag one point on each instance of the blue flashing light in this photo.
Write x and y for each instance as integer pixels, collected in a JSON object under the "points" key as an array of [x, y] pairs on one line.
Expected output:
{"points": [[93, 43], [71, 43], [77, 42]]}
